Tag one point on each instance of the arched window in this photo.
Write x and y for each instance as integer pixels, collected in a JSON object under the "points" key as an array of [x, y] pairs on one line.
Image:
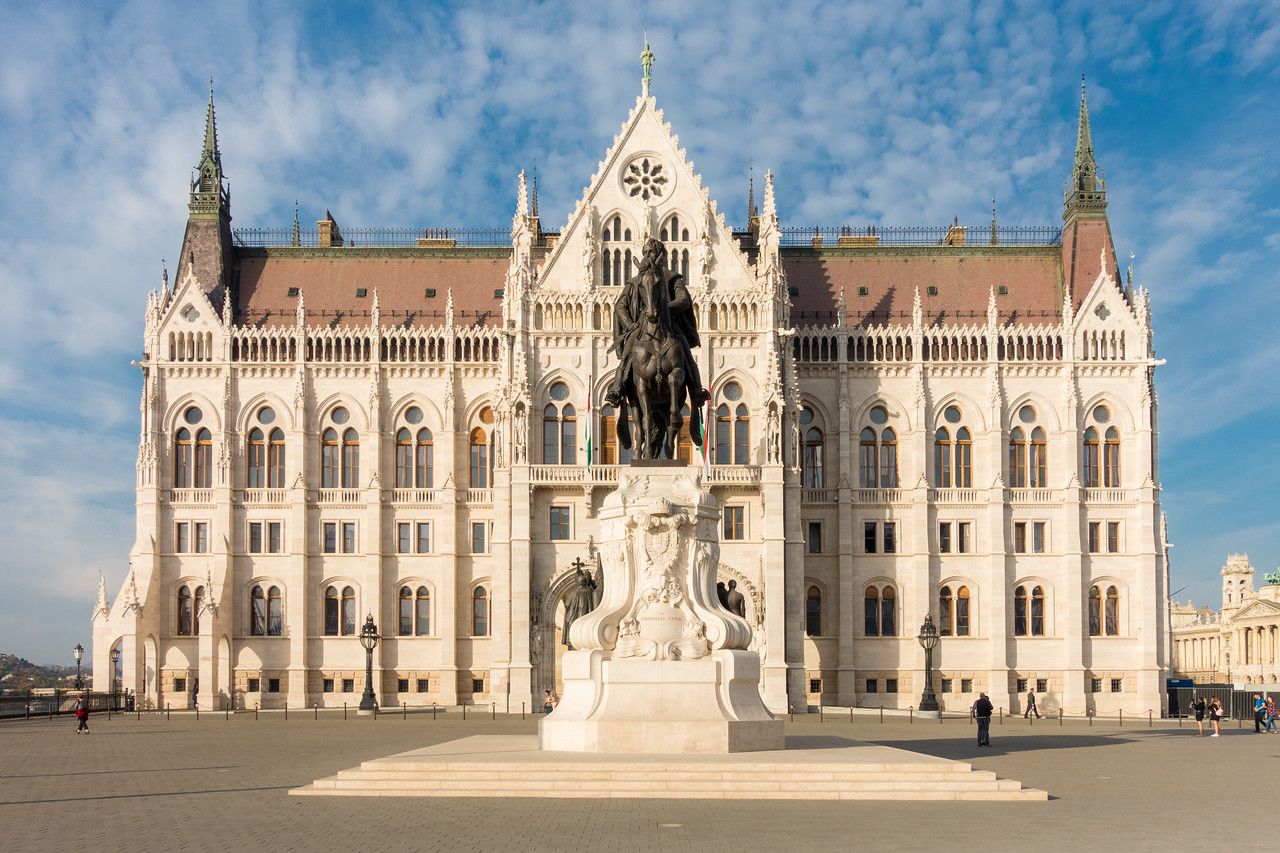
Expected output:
{"points": [[741, 435], [480, 612], [350, 460], [1091, 458], [422, 612], [942, 458], [617, 255], [275, 613], [404, 459], [331, 607], [724, 425], [888, 459], [330, 459], [1112, 622], [1017, 458], [559, 428], [946, 612], [196, 608], [258, 612], [1095, 612], [610, 452], [879, 612], [867, 459], [888, 619], [1037, 612], [963, 459], [962, 612], [275, 460], [182, 459], [814, 446], [1038, 469], [1020, 612], [348, 610], [1111, 459], [479, 468], [204, 459], [406, 612], [424, 459], [813, 612], [256, 460], [185, 614]]}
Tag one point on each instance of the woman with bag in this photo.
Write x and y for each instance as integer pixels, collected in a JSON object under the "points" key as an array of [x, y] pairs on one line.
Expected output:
{"points": [[1215, 714], [82, 714], [1198, 707]]}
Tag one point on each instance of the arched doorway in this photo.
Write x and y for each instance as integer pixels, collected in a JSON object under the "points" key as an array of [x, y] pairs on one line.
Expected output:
{"points": [[546, 632]]}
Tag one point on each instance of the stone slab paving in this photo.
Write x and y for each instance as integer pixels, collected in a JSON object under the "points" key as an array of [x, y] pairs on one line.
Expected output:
{"points": [[223, 785]]}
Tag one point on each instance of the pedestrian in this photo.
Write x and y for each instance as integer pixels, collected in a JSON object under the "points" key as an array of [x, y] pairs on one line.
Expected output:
{"points": [[549, 701], [1271, 714], [1198, 707], [1259, 713], [1031, 706], [981, 711], [82, 714], [1215, 716]]}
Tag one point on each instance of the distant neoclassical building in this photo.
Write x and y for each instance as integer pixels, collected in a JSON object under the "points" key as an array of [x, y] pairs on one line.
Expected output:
{"points": [[336, 422], [1238, 644]]}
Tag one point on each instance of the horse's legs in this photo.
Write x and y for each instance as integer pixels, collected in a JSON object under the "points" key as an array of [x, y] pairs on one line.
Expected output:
{"points": [[675, 396], [642, 440]]}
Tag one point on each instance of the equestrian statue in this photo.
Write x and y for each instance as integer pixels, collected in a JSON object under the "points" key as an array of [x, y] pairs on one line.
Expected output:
{"points": [[654, 333]]}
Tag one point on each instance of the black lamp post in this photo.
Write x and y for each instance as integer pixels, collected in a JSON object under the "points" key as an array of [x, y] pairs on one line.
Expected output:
{"points": [[78, 651], [369, 639], [928, 641], [115, 662]]}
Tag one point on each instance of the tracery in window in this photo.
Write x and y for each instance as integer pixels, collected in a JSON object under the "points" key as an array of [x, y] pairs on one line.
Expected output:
{"points": [[415, 612], [617, 258], [879, 614], [953, 611], [559, 428]]}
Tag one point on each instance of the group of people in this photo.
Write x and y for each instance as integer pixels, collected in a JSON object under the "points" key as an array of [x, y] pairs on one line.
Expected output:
{"points": [[1264, 714]]}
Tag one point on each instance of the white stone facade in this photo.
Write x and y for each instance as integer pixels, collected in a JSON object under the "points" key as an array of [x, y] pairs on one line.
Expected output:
{"points": [[1239, 644], [555, 306]]}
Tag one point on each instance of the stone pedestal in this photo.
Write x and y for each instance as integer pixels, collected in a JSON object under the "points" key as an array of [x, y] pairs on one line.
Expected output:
{"points": [[659, 666]]}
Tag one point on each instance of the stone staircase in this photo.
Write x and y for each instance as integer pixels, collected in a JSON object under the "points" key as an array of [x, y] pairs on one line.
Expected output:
{"points": [[851, 771]]}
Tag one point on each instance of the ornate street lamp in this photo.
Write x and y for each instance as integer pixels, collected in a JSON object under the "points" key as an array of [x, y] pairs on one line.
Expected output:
{"points": [[369, 639], [115, 662], [928, 641], [78, 651]]}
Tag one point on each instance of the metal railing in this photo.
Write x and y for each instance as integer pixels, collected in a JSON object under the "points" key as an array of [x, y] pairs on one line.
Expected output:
{"points": [[378, 236], [922, 235], [49, 703]]}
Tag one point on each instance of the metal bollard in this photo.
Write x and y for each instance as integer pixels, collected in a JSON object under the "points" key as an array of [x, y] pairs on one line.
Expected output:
{"points": [[1149, 718], [882, 716], [197, 713], [911, 715], [255, 712], [316, 708], [433, 710], [1122, 718], [791, 713], [286, 710], [166, 712], [820, 719], [1061, 714], [464, 710], [344, 710], [1001, 715], [850, 713], [493, 710], [522, 710], [226, 713], [404, 710]]}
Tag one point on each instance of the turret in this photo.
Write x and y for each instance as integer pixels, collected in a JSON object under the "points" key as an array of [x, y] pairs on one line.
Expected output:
{"points": [[1086, 233], [206, 245], [1237, 583]]}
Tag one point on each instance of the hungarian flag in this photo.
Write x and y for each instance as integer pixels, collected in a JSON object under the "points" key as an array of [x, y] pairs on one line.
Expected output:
{"points": [[590, 449], [706, 435]]}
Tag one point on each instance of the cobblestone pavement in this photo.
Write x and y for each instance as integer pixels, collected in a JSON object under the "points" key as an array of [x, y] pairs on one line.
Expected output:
{"points": [[217, 784]]}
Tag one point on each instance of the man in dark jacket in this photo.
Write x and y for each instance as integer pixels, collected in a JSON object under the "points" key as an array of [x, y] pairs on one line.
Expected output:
{"points": [[981, 712]]}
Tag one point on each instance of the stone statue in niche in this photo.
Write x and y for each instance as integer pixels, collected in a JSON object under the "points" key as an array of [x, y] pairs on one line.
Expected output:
{"points": [[581, 599], [654, 333], [735, 602]]}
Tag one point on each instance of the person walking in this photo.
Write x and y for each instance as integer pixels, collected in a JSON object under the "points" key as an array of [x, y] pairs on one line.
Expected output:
{"points": [[1215, 716], [549, 701], [1270, 709], [1198, 707], [1259, 713], [1031, 706], [981, 711], [82, 714]]}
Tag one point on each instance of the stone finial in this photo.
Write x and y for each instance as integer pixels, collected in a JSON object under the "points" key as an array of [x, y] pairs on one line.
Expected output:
{"points": [[102, 606], [646, 63], [917, 311], [993, 313]]}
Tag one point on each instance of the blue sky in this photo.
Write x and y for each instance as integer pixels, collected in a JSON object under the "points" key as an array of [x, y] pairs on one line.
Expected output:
{"points": [[422, 115]]}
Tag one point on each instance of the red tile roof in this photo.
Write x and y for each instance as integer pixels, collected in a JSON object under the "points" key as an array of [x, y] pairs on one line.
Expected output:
{"points": [[329, 283], [963, 280]]}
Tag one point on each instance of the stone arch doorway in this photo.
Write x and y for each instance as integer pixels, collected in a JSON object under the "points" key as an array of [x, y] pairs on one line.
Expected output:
{"points": [[546, 633], [755, 601]]}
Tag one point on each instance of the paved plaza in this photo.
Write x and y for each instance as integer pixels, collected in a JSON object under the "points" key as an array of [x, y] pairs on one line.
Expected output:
{"points": [[218, 784]]}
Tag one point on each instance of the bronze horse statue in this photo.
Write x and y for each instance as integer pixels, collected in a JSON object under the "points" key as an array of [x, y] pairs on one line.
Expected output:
{"points": [[654, 331]]}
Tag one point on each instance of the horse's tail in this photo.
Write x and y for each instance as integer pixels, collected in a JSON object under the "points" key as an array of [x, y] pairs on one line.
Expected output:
{"points": [[623, 427], [695, 425]]}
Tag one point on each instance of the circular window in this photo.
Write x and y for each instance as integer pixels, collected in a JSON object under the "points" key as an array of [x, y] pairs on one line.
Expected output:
{"points": [[646, 178], [486, 415], [190, 313], [733, 391], [1026, 414], [193, 415], [879, 415], [806, 416], [559, 391], [952, 414], [414, 415], [340, 415], [266, 415], [1101, 414]]}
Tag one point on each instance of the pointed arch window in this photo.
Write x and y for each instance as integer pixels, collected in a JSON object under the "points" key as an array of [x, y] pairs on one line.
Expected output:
{"points": [[203, 469], [275, 612], [879, 612], [348, 611], [953, 611], [813, 612], [480, 612], [888, 459], [424, 459], [814, 451], [406, 612], [1111, 622], [1091, 458], [617, 254], [1017, 458], [182, 449], [1111, 459], [330, 460], [867, 477], [559, 428], [256, 460], [675, 231], [275, 459], [963, 459], [185, 611], [196, 609], [741, 435], [350, 459], [331, 608], [942, 458], [1038, 463], [479, 453], [1095, 612], [1037, 612], [1020, 612], [258, 612], [724, 425], [404, 459]]}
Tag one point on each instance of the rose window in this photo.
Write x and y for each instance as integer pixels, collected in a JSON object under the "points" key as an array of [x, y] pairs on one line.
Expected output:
{"points": [[645, 178]]}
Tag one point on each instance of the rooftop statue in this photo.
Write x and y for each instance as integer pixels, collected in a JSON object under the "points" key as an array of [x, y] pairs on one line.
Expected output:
{"points": [[654, 333]]}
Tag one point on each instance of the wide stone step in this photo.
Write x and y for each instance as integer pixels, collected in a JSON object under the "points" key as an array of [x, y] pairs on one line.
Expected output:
{"points": [[535, 784], [673, 767], [622, 776], [963, 794]]}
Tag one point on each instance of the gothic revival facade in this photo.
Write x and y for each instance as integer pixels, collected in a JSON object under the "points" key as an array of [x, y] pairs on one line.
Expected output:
{"points": [[956, 421]]}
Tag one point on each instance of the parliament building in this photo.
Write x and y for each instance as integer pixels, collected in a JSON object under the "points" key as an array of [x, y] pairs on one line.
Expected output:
{"points": [[409, 424]]}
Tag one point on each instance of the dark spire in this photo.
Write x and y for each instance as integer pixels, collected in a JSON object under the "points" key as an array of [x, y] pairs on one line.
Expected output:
{"points": [[995, 229], [1087, 194], [753, 212], [534, 203], [210, 195], [297, 225]]}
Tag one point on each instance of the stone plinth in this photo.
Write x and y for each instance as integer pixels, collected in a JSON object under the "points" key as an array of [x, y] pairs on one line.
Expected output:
{"points": [[660, 666]]}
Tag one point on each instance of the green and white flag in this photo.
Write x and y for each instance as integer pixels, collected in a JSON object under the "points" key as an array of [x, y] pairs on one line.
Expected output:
{"points": [[590, 420]]}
